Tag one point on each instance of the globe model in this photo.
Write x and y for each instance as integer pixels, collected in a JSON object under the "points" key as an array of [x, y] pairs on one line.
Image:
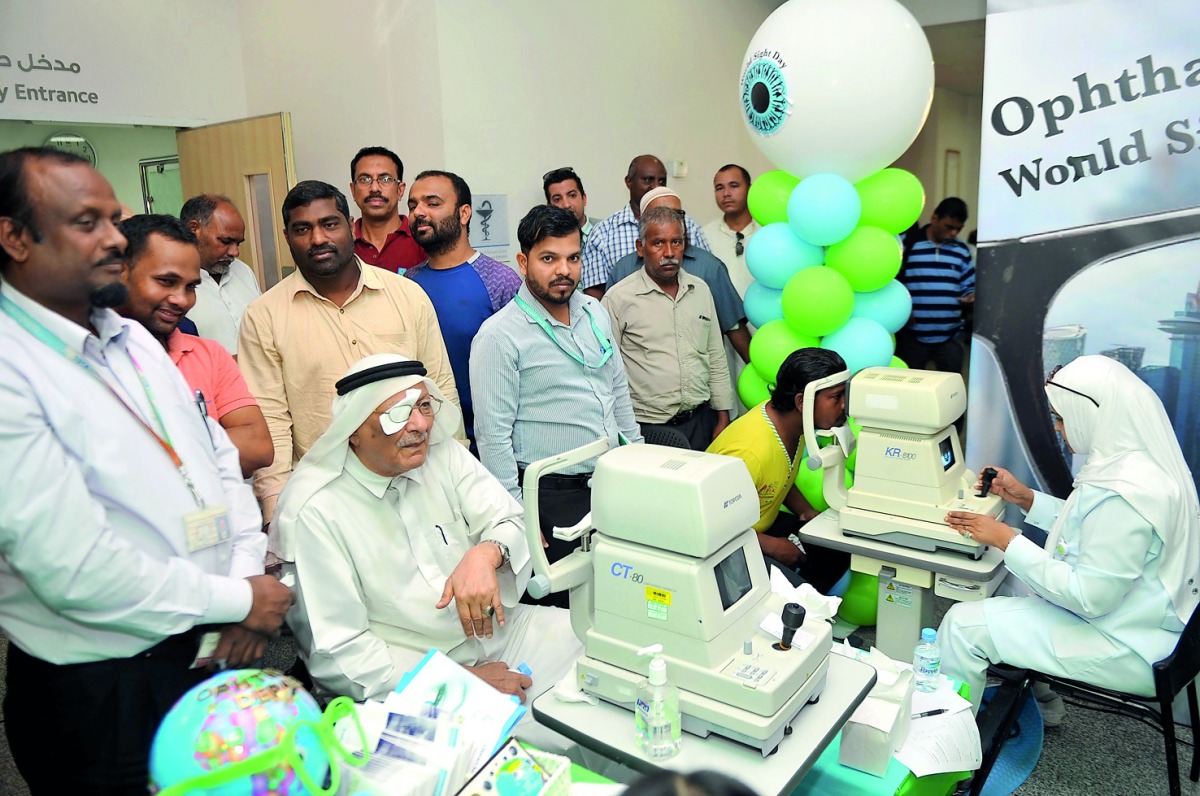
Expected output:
{"points": [[229, 718]]}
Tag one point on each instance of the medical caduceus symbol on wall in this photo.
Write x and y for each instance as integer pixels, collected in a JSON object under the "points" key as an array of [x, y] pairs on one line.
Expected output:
{"points": [[485, 212]]}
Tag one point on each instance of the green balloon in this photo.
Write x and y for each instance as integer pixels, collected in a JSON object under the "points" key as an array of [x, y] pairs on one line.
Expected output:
{"points": [[852, 459], [892, 199], [860, 603], [869, 258], [817, 301], [768, 196], [772, 344], [897, 362], [751, 388]]}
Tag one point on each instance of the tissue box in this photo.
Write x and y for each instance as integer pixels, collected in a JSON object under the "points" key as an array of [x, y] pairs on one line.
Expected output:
{"points": [[879, 726]]}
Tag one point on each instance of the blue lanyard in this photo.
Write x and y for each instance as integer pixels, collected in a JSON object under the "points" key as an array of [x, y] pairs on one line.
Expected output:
{"points": [[41, 333], [606, 347]]}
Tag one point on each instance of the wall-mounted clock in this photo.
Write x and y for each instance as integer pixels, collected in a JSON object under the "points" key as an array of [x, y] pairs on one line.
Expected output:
{"points": [[75, 144]]}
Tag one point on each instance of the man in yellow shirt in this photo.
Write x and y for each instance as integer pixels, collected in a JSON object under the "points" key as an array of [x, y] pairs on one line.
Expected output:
{"points": [[768, 439]]}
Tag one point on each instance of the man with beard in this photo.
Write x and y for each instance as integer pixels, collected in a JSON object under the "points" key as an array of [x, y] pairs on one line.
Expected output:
{"points": [[125, 523], [301, 335], [162, 272], [227, 285], [466, 287], [668, 334], [545, 379], [382, 236]]}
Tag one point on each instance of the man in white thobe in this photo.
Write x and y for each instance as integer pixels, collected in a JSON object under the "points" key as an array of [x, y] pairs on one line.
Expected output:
{"points": [[401, 541]]}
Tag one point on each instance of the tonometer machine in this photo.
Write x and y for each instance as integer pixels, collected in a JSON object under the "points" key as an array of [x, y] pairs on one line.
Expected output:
{"points": [[909, 471], [669, 557]]}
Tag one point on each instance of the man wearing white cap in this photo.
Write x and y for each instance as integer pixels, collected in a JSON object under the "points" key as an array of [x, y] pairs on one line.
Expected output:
{"points": [[616, 236], [401, 541]]}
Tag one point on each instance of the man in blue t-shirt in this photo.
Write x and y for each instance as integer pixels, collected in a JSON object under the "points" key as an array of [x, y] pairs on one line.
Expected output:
{"points": [[938, 273], [466, 287]]}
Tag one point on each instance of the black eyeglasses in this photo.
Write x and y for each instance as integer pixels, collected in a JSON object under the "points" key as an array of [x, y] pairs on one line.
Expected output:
{"points": [[559, 170], [739, 248], [1051, 383]]}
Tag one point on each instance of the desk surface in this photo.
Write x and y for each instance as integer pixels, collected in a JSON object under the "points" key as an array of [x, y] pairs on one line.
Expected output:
{"points": [[824, 530], [608, 730]]}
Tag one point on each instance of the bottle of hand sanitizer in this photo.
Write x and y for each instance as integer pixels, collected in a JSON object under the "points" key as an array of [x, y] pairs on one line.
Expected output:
{"points": [[656, 715]]}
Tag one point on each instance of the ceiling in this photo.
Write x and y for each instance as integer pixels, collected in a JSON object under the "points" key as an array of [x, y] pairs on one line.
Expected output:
{"points": [[958, 55]]}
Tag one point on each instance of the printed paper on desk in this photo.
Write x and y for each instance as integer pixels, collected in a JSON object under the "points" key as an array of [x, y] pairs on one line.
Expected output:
{"points": [[944, 697], [937, 744], [437, 680]]}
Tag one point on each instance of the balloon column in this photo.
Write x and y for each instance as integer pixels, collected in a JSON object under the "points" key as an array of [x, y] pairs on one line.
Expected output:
{"points": [[832, 93]]}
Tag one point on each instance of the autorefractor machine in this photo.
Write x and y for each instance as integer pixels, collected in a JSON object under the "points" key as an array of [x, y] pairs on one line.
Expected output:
{"points": [[668, 556], [909, 471]]}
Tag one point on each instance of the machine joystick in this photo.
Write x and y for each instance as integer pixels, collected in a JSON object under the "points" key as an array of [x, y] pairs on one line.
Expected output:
{"points": [[793, 618], [989, 475]]}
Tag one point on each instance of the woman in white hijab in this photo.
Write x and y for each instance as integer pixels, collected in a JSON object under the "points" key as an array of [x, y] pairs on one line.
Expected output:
{"points": [[1120, 573]]}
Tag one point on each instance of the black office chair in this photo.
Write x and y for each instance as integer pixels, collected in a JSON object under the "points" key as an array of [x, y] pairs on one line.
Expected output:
{"points": [[1172, 674], [665, 435]]}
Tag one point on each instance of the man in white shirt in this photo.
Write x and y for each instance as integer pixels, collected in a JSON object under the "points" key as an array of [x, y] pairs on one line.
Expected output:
{"points": [[227, 285], [729, 235], [125, 525], [401, 541]]}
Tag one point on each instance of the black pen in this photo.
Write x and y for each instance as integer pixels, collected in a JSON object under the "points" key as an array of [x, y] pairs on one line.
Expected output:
{"points": [[202, 405], [443, 533], [927, 713]]}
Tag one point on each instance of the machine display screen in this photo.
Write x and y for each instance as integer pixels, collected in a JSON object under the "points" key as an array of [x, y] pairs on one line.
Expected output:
{"points": [[947, 451], [733, 578]]}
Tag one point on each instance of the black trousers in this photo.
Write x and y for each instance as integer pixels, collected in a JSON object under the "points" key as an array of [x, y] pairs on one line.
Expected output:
{"points": [[946, 356], [561, 503], [87, 727], [698, 428], [823, 567]]}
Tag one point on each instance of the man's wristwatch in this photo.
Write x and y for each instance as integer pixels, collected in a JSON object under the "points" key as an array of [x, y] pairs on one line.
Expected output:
{"points": [[504, 556]]}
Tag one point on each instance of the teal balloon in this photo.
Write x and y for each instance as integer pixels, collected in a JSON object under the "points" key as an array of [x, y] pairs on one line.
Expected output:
{"points": [[767, 199], [752, 390], [862, 342], [817, 301], [823, 209], [762, 304], [774, 255], [773, 343], [890, 306], [869, 258], [892, 199]]}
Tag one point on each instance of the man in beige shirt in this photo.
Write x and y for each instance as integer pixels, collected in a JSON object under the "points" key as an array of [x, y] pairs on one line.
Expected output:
{"points": [[666, 326], [300, 336]]}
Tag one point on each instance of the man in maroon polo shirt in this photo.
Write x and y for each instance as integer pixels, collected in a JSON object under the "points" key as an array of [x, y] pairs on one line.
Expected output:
{"points": [[381, 235]]}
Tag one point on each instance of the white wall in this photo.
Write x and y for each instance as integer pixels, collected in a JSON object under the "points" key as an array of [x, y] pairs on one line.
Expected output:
{"points": [[953, 124], [118, 149], [530, 85], [148, 61]]}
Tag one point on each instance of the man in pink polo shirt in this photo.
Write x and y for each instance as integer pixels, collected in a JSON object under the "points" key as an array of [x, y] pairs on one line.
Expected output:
{"points": [[162, 272]]}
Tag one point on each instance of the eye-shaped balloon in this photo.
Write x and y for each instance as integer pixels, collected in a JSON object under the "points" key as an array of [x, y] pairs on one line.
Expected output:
{"points": [[836, 86]]}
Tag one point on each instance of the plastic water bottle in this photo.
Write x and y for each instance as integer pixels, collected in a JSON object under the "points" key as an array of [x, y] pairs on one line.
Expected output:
{"points": [[927, 661]]}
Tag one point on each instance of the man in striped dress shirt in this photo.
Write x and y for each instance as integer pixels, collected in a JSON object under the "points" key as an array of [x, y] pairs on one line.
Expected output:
{"points": [[938, 273], [546, 376]]}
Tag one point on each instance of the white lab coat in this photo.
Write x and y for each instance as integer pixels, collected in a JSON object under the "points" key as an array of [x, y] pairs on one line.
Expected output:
{"points": [[1099, 612]]}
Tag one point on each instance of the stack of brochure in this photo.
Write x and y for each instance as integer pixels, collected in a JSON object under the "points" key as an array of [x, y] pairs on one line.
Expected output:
{"points": [[440, 726]]}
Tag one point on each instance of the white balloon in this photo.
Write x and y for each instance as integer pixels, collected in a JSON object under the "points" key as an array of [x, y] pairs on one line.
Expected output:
{"points": [[840, 86]]}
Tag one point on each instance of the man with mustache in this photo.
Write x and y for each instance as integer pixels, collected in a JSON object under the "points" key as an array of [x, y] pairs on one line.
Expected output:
{"points": [[126, 527], [303, 333], [227, 285], [466, 287], [162, 273], [545, 378], [401, 541], [382, 236], [666, 327]]}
